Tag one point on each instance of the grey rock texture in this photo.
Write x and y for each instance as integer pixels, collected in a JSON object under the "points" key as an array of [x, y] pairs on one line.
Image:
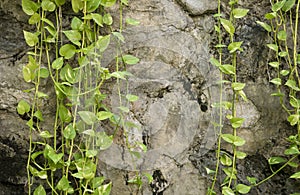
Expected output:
{"points": [[176, 86]]}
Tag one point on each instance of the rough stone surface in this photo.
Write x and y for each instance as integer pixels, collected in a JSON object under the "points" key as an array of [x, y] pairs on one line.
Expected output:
{"points": [[176, 86]]}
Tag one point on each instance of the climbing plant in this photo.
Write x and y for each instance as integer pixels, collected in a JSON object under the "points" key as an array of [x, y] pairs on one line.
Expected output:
{"points": [[64, 159], [228, 76]]}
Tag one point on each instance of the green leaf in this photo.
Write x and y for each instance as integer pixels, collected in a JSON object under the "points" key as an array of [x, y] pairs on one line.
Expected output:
{"points": [[236, 122], [130, 59], [277, 6], [243, 189], [214, 62], [252, 180], [270, 16], [103, 42], [44, 73], [241, 155], [239, 12], [108, 3], [67, 51], [234, 46], [132, 98], [293, 164], [98, 19], [243, 95], [273, 47], [60, 2], [132, 21], [227, 191], [103, 140], [89, 132], [209, 171], [69, 132], [227, 69], [39, 190], [63, 184], [48, 5], [281, 35], [91, 153], [119, 36], [228, 26], [88, 117], [23, 107], [293, 119], [55, 157], [283, 53], [64, 114], [292, 84], [292, 150], [296, 175], [226, 160], [107, 19], [58, 63], [30, 38], [92, 5], [276, 160], [274, 64], [265, 26], [276, 81], [46, 134], [35, 18], [102, 115], [294, 102], [76, 24], [77, 5], [124, 109], [29, 7], [238, 86], [288, 5], [74, 36]]}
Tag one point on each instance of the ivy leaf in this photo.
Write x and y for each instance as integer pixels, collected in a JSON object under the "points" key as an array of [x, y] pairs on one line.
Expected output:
{"points": [[293, 119], [92, 5], [108, 3], [266, 26], [39, 190], [292, 84], [23, 107], [241, 155], [292, 150], [227, 69], [103, 140], [277, 6], [29, 7], [64, 114], [274, 64], [236, 122], [214, 62], [130, 59], [30, 38], [276, 81], [77, 5], [132, 21], [103, 42], [44, 73], [234, 46], [74, 36], [281, 35], [55, 157], [35, 18], [98, 19], [48, 5], [107, 19], [88, 117], [239, 12], [119, 36], [238, 86], [76, 24], [102, 115], [295, 175], [270, 16], [46, 134], [132, 98], [58, 63], [228, 26], [67, 51], [63, 184], [60, 2], [243, 189], [273, 47], [225, 160], [289, 4], [276, 160], [227, 191], [69, 132]]}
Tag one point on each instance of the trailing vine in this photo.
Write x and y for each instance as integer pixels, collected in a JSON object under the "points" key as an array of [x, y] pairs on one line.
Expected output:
{"points": [[63, 160]]}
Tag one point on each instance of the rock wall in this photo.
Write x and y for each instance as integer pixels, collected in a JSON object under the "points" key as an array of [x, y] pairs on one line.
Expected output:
{"points": [[176, 86]]}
